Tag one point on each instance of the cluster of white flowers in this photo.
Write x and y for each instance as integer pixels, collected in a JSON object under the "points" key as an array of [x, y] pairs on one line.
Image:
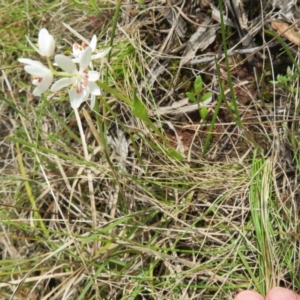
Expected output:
{"points": [[82, 80]]}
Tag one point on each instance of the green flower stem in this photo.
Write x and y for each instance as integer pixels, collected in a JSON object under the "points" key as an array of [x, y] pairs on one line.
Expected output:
{"points": [[56, 73]]}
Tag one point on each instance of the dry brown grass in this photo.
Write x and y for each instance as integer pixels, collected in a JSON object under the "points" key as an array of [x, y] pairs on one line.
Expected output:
{"points": [[196, 228]]}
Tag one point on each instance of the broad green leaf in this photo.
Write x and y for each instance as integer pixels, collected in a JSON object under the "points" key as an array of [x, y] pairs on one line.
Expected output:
{"points": [[205, 96], [191, 96], [198, 85], [282, 79], [139, 109], [203, 112]]}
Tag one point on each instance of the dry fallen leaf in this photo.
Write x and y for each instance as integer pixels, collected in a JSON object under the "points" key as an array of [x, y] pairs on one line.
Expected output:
{"points": [[284, 29]]}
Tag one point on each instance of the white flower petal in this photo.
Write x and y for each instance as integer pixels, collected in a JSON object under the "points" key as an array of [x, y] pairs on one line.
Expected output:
{"points": [[34, 67], [37, 70], [61, 83], [46, 43], [93, 75], [76, 49], [75, 60], [93, 100], [43, 85], [35, 81], [43, 35], [93, 43], [85, 95], [77, 98], [27, 61], [101, 54], [85, 58], [34, 63], [91, 65], [42, 75], [65, 63], [94, 88]]}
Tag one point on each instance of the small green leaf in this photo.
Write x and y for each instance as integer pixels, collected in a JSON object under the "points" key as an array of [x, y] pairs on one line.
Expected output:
{"points": [[294, 76], [203, 112], [93, 5], [174, 154], [139, 109], [205, 96], [141, 3], [282, 79], [198, 85], [191, 96]]}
